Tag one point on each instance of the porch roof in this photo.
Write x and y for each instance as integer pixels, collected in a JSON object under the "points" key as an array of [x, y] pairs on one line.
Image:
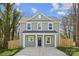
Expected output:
{"points": [[40, 31]]}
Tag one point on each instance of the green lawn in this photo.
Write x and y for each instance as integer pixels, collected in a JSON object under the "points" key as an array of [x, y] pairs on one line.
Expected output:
{"points": [[76, 54], [71, 51], [9, 52]]}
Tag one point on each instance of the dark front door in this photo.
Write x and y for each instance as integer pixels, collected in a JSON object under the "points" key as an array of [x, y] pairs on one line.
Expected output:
{"points": [[39, 41]]}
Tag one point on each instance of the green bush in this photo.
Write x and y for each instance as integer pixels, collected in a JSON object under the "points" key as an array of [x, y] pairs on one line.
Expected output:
{"points": [[76, 54], [68, 50]]}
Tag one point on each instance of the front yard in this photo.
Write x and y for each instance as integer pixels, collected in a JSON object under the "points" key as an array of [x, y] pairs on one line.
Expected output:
{"points": [[9, 52], [71, 51]]}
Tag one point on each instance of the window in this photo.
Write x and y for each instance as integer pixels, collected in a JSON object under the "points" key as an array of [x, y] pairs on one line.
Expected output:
{"points": [[50, 26], [48, 40], [29, 26], [30, 38], [39, 26]]}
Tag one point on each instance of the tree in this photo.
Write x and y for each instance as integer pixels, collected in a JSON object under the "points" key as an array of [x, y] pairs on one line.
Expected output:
{"points": [[76, 12], [75, 20], [67, 23], [9, 20], [16, 18], [6, 24]]}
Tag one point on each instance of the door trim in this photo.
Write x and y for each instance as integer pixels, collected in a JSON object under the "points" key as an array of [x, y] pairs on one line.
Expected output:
{"points": [[41, 40]]}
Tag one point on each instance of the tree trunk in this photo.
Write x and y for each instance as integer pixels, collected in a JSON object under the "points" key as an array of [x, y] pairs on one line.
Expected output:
{"points": [[77, 23], [13, 30], [7, 26]]}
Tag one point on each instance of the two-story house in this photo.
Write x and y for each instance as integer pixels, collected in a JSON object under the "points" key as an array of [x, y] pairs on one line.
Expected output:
{"points": [[39, 31]]}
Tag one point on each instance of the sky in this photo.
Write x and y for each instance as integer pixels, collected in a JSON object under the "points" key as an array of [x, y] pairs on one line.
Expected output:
{"points": [[49, 9]]}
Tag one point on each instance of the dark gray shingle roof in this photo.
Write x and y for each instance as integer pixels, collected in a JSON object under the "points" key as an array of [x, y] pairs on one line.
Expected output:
{"points": [[39, 31]]}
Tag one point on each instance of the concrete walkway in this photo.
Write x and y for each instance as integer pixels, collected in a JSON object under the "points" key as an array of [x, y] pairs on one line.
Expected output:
{"points": [[47, 51]]}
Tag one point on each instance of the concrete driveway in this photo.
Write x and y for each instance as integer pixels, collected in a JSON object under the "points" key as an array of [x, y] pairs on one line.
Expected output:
{"points": [[47, 51]]}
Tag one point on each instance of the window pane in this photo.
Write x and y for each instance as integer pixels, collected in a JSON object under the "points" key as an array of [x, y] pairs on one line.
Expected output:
{"points": [[39, 26], [28, 26], [48, 40], [30, 39], [50, 26]]}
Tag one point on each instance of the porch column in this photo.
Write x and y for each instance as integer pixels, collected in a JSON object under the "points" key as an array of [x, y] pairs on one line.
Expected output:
{"points": [[36, 43], [23, 40], [43, 41], [55, 40]]}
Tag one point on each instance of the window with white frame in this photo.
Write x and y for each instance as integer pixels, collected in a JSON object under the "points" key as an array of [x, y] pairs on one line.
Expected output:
{"points": [[50, 26], [39, 26], [48, 40], [30, 39], [29, 26]]}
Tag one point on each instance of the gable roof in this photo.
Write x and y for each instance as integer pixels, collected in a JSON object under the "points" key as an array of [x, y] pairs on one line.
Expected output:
{"points": [[24, 19], [41, 15]]}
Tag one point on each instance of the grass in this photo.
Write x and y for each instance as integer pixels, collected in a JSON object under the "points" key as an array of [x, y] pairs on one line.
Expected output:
{"points": [[76, 54], [9, 52], [71, 51]]}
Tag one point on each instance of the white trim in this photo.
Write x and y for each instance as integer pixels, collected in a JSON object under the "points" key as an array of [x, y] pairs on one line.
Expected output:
{"points": [[48, 25], [47, 39], [31, 37], [43, 41], [23, 40], [36, 41], [36, 44], [59, 34], [55, 40], [37, 26], [40, 33], [39, 14], [30, 25], [46, 16]]}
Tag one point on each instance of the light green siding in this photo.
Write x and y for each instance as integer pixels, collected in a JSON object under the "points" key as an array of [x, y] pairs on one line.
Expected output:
{"points": [[45, 26], [58, 40], [34, 21], [34, 26]]}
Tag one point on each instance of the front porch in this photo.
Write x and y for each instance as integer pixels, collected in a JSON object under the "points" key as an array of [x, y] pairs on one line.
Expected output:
{"points": [[39, 40]]}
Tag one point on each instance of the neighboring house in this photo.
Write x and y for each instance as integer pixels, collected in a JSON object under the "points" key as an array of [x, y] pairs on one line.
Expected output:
{"points": [[39, 31]]}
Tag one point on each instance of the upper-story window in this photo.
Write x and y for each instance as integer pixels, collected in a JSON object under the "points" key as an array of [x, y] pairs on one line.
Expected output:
{"points": [[29, 26], [50, 26], [39, 26]]}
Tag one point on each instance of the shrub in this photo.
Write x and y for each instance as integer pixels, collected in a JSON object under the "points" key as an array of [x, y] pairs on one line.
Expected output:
{"points": [[68, 50]]}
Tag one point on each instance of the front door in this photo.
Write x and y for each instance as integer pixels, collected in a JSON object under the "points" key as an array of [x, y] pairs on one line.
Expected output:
{"points": [[39, 41]]}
